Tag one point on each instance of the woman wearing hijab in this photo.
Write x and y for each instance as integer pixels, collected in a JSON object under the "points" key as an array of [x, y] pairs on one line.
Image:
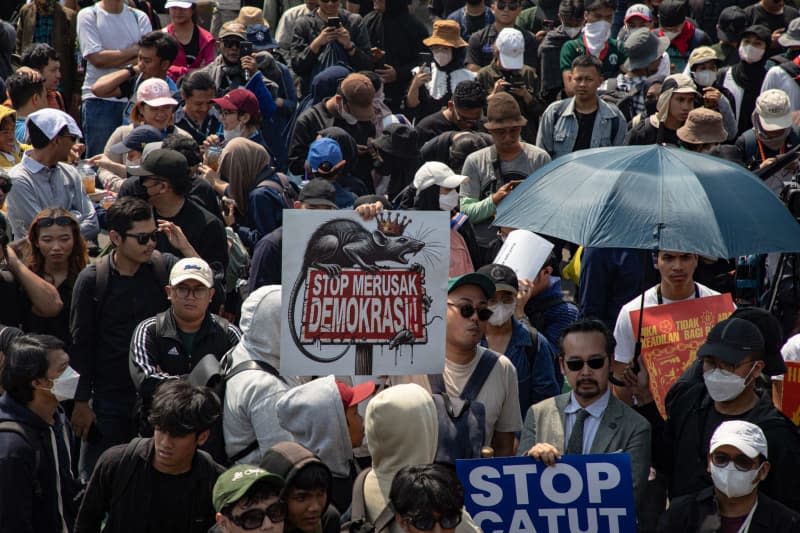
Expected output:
{"points": [[433, 85]]}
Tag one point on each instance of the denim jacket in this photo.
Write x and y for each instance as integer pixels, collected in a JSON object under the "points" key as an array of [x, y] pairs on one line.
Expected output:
{"points": [[558, 129]]}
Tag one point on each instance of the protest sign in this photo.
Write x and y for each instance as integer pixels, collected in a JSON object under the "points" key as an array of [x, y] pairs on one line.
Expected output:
{"points": [[671, 335], [790, 403], [364, 297], [524, 252], [587, 493]]}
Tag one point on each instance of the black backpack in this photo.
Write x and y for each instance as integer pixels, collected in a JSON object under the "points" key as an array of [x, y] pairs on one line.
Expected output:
{"points": [[462, 420], [32, 437]]}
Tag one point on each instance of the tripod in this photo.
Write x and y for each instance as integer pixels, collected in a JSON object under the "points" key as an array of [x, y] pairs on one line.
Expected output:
{"points": [[794, 277]]}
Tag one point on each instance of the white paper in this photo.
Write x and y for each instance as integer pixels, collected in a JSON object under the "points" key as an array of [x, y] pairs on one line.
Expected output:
{"points": [[524, 252]]}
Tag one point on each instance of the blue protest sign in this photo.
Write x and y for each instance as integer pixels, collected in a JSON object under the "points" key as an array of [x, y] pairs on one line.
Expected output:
{"points": [[580, 493]]}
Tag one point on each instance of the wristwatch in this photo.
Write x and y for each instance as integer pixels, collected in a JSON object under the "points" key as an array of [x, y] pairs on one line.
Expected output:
{"points": [[131, 71]]}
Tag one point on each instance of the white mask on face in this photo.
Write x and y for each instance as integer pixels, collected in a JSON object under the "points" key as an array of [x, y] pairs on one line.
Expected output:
{"points": [[670, 35], [733, 483], [723, 385], [572, 31], [705, 78], [501, 313], [449, 201], [750, 54], [443, 57], [65, 385], [597, 34], [232, 134]]}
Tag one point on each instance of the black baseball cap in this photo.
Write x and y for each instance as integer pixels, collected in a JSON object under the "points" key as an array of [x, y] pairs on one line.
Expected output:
{"points": [[162, 162], [731, 24], [319, 191], [762, 33], [770, 328], [137, 139], [671, 13], [504, 278], [732, 341]]}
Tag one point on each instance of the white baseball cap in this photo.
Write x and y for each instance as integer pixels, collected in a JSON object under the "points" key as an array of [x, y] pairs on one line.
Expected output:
{"points": [[437, 173], [639, 10], [185, 4], [774, 110], [191, 268], [52, 121], [511, 45], [744, 436]]}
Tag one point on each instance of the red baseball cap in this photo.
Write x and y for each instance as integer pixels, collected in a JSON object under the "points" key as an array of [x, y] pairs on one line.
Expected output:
{"points": [[240, 100], [355, 395]]}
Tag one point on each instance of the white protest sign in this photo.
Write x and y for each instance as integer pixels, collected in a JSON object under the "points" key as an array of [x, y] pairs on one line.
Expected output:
{"points": [[524, 252]]}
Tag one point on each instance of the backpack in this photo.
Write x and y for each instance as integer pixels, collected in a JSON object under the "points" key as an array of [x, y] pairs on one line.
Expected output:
{"points": [[238, 268], [103, 274], [31, 437], [285, 190], [462, 420], [358, 522]]}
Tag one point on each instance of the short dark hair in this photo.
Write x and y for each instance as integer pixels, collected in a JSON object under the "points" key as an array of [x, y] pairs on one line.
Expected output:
{"points": [[591, 5], [571, 8], [589, 325], [125, 211], [26, 360], [37, 137], [313, 476], [180, 408], [21, 88], [587, 61], [426, 489], [185, 145], [197, 81], [38, 55], [261, 490], [165, 44], [469, 94]]}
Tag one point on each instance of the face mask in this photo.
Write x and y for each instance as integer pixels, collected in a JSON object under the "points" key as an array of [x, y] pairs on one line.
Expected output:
{"points": [[65, 385], [501, 313], [733, 483], [650, 105], [723, 385], [443, 57], [572, 31], [774, 143], [750, 54], [597, 33], [670, 35], [705, 78], [232, 134], [449, 201], [347, 117]]}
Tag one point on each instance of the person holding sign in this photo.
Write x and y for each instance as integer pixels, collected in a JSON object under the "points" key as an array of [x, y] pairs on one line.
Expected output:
{"points": [[737, 461], [589, 419]]}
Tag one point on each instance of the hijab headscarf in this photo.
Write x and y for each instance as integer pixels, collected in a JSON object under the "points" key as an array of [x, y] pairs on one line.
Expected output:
{"points": [[242, 162]]}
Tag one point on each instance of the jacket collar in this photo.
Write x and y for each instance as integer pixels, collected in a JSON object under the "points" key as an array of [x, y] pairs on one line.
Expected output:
{"points": [[168, 327]]}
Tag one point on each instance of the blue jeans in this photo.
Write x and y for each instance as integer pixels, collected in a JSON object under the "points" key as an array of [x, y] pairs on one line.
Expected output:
{"points": [[116, 424], [100, 118]]}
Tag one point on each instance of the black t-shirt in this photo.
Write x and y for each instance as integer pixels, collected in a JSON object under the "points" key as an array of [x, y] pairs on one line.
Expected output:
{"points": [[192, 48], [756, 14], [203, 230], [58, 325], [12, 309], [475, 23], [433, 125], [645, 133], [170, 503], [585, 127]]}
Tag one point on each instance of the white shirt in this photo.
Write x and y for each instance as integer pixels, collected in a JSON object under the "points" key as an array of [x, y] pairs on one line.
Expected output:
{"points": [[790, 352], [777, 78], [592, 422]]}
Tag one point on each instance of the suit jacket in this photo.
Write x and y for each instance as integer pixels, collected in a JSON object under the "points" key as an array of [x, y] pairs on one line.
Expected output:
{"points": [[621, 430]]}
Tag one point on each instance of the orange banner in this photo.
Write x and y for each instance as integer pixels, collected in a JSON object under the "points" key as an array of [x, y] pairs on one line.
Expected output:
{"points": [[790, 405], [671, 335]]}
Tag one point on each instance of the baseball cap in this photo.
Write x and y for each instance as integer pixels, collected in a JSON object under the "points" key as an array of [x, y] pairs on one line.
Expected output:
{"points": [[137, 139], [234, 483], [324, 154], [437, 173], [233, 29], [319, 191], [761, 33], [679, 83], [52, 121], [155, 92], [185, 4], [355, 395], [639, 10], [511, 47], [241, 100], [504, 278], [161, 162], [774, 110], [733, 340], [731, 24], [742, 435], [191, 268], [358, 92], [671, 13], [703, 54], [483, 281]]}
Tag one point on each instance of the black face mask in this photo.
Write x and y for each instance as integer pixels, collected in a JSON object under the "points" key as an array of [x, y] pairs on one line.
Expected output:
{"points": [[650, 105]]}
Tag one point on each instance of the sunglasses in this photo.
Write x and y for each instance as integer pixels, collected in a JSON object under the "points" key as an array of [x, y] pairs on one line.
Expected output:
{"points": [[5, 186], [230, 43], [142, 238], [467, 310], [428, 522], [595, 363], [741, 461], [508, 5], [49, 221], [254, 518]]}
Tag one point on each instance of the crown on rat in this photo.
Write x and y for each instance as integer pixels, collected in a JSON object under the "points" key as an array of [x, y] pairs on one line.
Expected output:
{"points": [[392, 228]]}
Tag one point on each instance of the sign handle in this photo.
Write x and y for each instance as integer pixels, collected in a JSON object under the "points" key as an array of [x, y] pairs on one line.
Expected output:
{"points": [[363, 359]]}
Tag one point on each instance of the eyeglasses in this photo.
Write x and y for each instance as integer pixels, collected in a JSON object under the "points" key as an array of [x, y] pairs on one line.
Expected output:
{"points": [[428, 522], [74, 138], [254, 518], [142, 238], [230, 43], [226, 112], [710, 363], [594, 363], [5, 186], [49, 221], [467, 310], [197, 292], [467, 121], [741, 462], [508, 5]]}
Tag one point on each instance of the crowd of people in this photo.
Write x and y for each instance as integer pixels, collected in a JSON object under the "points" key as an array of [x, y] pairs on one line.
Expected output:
{"points": [[149, 148]]}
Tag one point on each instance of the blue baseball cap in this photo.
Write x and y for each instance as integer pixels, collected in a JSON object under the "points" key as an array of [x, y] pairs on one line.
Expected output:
{"points": [[324, 154], [137, 139]]}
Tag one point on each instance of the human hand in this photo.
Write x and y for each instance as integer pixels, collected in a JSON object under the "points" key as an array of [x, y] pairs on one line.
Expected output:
{"points": [[523, 93], [327, 35], [504, 191], [420, 78], [229, 211], [711, 97], [388, 74], [544, 452], [249, 64], [369, 211], [638, 384], [775, 36], [82, 419], [499, 86], [524, 294], [343, 37], [176, 237]]}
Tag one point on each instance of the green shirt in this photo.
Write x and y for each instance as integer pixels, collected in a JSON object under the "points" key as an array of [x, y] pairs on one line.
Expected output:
{"points": [[612, 58]]}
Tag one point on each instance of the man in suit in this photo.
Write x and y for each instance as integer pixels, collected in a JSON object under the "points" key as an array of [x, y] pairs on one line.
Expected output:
{"points": [[589, 419]]}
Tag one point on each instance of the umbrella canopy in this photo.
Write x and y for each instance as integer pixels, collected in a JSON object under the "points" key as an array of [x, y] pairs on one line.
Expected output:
{"points": [[653, 198]]}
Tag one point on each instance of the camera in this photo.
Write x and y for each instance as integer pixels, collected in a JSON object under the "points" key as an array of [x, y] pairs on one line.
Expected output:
{"points": [[790, 195], [514, 81], [245, 49]]}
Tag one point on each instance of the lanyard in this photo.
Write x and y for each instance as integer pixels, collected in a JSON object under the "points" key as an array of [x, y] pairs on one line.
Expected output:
{"points": [[761, 149], [746, 525], [661, 300]]}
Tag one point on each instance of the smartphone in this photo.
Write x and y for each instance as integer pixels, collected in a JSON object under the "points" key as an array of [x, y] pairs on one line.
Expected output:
{"points": [[245, 49], [425, 59], [334, 22], [548, 25]]}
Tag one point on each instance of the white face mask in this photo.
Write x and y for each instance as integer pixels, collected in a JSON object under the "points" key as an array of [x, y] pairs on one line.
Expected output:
{"points": [[733, 483], [723, 385], [572, 31], [449, 201], [65, 385], [347, 117], [501, 313], [705, 78], [232, 134], [597, 34], [670, 35], [443, 57], [750, 54]]}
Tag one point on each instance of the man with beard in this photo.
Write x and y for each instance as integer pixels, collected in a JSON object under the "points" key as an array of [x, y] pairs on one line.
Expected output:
{"points": [[589, 419]]}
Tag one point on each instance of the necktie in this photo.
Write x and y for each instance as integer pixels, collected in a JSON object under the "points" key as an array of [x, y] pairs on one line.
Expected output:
{"points": [[575, 443]]}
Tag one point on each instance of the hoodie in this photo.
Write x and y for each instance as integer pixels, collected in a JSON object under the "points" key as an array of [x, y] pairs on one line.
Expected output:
{"points": [[251, 396]]}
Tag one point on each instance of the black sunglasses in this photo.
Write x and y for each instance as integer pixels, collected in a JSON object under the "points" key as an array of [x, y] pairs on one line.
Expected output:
{"points": [[49, 221], [428, 522], [577, 364], [467, 310], [230, 43], [741, 461], [508, 5], [253, 518], [5, 186], [142, 238]]}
